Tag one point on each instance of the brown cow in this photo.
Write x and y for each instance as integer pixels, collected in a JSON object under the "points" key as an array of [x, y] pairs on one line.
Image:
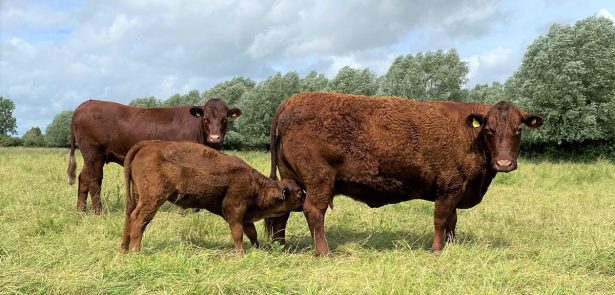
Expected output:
{"points": [[191, 175], [383, 150], [104, 132]]}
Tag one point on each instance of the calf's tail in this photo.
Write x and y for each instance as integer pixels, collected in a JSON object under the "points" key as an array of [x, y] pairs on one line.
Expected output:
{"points": [[129, 196], [72, 164]]}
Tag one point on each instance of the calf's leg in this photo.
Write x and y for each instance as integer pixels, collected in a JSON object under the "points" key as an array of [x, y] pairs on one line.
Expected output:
{"points": [[139, 219], [278, 228], [250, 232], [237, 234]]}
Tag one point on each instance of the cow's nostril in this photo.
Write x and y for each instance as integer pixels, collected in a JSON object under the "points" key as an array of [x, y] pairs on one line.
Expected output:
{"points": [[214, 137], [504, 163]]}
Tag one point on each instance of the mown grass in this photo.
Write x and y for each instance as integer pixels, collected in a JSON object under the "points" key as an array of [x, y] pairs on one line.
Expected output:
{"points": [[545, 228]]}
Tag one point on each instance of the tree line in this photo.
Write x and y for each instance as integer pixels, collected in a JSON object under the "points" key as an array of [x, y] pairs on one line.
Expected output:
{"points": [[567, 75]]}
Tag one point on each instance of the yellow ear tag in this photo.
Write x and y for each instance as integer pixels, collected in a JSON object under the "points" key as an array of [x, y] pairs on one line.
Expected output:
{"points": [[534, 122], [475, 123]]}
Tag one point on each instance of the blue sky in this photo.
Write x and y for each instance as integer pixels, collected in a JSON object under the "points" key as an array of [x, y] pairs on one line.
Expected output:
{"points": [[56, 54]]}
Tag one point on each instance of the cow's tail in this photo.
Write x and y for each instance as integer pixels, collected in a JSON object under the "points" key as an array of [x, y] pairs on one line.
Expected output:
{"points": [[72, 163], [129, 196], [274, 144]]}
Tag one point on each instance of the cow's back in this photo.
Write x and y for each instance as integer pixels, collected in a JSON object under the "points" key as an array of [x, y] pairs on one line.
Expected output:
{"points": [[387, 147], [111, 128]]}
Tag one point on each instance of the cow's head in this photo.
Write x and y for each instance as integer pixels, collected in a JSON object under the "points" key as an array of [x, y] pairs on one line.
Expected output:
{"points": [[283, 197], [500, 131], [215, 115]]}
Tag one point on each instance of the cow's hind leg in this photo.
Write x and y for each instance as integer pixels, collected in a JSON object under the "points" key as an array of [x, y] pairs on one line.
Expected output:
{"points": [[96, 173], [250, 231], [319, 195], [84, 187]]}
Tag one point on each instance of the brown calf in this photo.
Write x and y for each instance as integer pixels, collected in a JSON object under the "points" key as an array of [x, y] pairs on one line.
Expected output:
{"points": [[383, 150], [191, 175]]}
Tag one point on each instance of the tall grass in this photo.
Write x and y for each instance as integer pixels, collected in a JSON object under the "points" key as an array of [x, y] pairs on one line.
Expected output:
{"points": [[545, 228]]}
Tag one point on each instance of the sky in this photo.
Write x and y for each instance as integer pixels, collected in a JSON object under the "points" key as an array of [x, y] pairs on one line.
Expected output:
{"points": [[55, 55]]}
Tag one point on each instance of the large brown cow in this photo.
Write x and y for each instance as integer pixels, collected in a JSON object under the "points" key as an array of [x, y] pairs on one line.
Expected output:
{"points": [[104, 132], [191, 175], [383, 150]]}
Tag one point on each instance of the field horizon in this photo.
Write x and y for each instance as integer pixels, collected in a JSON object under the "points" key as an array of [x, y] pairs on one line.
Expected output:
{"points": [[546, 228]]}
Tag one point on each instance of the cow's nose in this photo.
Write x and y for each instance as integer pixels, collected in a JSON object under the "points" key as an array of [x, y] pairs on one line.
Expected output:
{"points": [[214, 137], [504, 163]]}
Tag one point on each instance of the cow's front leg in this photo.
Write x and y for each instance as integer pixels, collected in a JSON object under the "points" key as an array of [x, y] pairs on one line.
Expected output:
{"points": [[444, 208], [451, 223]]}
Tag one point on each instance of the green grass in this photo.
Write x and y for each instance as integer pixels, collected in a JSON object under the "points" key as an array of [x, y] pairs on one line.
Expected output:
{"points": [[546, 228]]}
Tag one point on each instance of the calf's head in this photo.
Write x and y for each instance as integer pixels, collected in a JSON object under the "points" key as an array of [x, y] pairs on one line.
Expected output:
{"points": [[500, 132], [215, 115], [281, 197]]}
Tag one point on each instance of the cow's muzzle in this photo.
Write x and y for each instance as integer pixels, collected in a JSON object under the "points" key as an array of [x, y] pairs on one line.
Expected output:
{"points": [[504, 165]]}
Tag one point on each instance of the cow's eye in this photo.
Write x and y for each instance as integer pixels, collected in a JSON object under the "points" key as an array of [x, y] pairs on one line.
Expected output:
{"points": [[489, 131], [224, 121], [518, 131]]}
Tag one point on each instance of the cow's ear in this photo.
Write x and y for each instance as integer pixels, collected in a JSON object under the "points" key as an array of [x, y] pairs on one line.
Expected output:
{"points": [[234, 113], [532, 120], [475, 120], [196, 111]]}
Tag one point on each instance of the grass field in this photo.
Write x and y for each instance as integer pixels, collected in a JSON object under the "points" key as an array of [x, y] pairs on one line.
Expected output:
{"points": [[547, 228]]}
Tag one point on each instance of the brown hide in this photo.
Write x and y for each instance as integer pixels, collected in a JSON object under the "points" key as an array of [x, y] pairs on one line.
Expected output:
{"points": [[383, 150], [104, 132], [191, 175]]}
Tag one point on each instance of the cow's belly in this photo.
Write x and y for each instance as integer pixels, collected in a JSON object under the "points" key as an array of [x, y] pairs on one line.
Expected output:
{"points": [[211, 204], [380, 191]]}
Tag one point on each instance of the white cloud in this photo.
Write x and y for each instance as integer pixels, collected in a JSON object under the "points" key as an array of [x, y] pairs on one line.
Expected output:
{"points": [[605, 13], [494, 65], [55, 55]]}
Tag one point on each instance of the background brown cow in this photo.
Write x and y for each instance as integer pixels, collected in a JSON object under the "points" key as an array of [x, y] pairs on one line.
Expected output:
{"points": [[383, 150], [104, 132]]}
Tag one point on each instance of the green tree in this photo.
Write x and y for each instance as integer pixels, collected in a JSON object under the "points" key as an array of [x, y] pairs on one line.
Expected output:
{"points": [[33, 137], [58, 131], [485, 93], [568, 77], [192, 98], [433, 75], [230, 91], [8, 124], [259, 105], [314, 82], [146, 102], [354, 81]]}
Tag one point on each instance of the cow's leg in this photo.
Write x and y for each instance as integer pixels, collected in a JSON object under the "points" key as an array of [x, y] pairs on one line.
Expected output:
{"points": [[316, 202], [279, 229], [84, 186], [139, 219], [250, 232], [451, 223], [96, 177], [444, 207], [237, 234]]}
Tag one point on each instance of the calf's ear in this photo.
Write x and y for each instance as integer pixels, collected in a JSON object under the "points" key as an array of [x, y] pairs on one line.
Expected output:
{"points": [[475, 120], [234, 113], [196, 111], [532, 120], [285, 193]]}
